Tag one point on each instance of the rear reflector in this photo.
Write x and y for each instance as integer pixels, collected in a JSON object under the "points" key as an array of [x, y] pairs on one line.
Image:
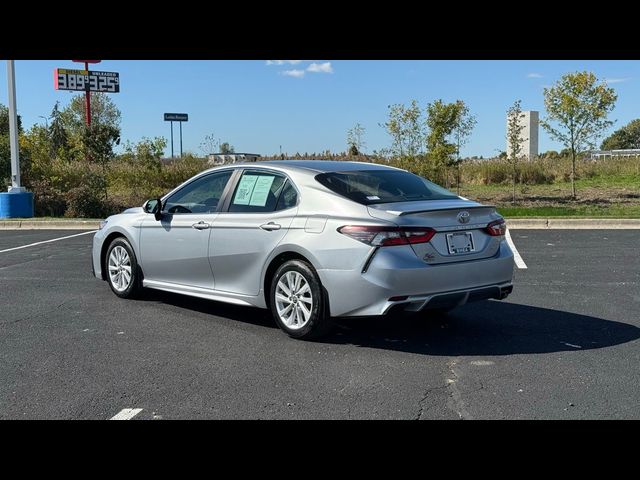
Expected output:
{"points": [[497, 228], [379, 236], [399, 298]]}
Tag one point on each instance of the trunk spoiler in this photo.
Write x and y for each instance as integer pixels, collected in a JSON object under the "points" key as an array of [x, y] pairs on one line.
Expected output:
{"points": [[436, 209]]}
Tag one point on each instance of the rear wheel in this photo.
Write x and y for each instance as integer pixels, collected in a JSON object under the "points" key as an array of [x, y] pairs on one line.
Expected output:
{"points": [[298, 302], [122, 269]]}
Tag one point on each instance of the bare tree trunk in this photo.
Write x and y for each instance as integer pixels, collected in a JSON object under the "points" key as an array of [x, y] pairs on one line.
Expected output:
{"points": [[573, 172], [514, 184], [458, 178]]}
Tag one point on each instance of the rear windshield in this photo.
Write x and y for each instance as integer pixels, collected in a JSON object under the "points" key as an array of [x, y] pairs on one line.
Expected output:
{"points": [[383, 186]]}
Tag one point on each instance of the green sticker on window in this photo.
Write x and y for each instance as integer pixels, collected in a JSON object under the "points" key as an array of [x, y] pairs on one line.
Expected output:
{"points": [[261, 191], [245, 189]]}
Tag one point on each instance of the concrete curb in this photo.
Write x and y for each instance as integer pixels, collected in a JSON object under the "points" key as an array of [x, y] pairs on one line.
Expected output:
{"points": [[574, 223], [514, 224], [49, 224]]}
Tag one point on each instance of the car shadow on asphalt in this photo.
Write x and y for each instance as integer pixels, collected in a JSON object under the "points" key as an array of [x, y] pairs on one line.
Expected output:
{"points": [[485, 328], [480, 328], [250, 315]]}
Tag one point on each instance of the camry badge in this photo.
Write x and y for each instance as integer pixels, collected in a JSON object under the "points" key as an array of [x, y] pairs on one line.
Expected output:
{"points": [[463, 217]]}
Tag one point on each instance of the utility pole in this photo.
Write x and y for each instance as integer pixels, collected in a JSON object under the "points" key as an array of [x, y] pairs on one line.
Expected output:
{"points": [[88, 97], [17, 202]]}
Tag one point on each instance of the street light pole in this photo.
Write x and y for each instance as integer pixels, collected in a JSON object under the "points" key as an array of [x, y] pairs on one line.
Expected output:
{"points": [[13, 130]]}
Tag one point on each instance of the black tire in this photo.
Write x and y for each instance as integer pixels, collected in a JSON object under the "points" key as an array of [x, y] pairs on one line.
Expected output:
{"points": [[135, 285], [320, 322]]}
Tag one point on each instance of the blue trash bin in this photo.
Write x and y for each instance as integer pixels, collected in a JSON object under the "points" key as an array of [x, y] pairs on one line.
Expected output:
{"points": [[16, 205]]}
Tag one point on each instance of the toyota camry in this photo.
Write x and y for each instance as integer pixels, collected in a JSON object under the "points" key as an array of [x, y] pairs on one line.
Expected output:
{"points": [[309, 240]]}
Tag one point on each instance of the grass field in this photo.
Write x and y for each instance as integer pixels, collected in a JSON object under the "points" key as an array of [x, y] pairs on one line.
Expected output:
{"points": [[610, 196], [585, 211]]}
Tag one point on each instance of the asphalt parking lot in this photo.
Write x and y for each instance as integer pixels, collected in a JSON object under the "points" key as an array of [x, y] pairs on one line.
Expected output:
{"points": [[564, 345]]}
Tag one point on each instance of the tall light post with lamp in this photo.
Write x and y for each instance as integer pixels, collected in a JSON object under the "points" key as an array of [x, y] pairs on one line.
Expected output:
{"points": [[16, 202]]}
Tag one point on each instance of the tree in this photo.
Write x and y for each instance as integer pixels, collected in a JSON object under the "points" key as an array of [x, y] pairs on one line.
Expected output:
{"points": [[514, 140], [405, 127], [5, 146], [623, 138], [57, 132], [105, 124], [354, 139], [103, 112], [4, 121], [225, 148], [441, 121], [463, 126], [147, 152], [210, 144], [577, 108]]}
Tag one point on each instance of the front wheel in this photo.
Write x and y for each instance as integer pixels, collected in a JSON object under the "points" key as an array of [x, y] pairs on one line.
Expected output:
{"points": [[122, 269], [298, 302]]}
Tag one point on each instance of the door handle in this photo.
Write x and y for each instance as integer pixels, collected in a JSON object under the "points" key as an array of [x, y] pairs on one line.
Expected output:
{"points": [[270, 226], [200, 225]]}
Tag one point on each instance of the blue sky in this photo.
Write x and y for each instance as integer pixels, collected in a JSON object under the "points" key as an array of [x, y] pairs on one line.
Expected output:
{"points": [[259, 105]]}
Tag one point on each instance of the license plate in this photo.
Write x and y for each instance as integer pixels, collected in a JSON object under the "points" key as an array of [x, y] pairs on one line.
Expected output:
{"points": [[460, 242]]}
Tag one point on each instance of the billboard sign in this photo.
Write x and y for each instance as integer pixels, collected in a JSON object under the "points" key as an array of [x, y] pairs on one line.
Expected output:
{"points": [[86, 80], [176, 117]]}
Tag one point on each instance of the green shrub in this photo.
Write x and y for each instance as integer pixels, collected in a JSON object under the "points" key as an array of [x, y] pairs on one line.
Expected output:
{"points": [[48, 200]]}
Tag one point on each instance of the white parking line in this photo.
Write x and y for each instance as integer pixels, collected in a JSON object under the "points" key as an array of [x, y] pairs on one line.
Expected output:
{"points": [[126, 414], [46, 241], [516, 256]]}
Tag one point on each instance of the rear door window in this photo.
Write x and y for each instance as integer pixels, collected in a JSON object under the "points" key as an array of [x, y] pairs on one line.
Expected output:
{"points": [[257, 192]]}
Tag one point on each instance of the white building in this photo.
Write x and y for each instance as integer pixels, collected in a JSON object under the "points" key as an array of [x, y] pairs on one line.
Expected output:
{"points": [[222, 158], [530, 121], [603, 154]]}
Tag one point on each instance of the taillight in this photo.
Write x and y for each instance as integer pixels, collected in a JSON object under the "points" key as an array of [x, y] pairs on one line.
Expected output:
{"points": [[387, 236], [497, 228]]}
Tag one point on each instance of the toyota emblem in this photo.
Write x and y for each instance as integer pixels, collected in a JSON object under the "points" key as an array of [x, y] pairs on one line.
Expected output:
{"points": [[463, 217]]}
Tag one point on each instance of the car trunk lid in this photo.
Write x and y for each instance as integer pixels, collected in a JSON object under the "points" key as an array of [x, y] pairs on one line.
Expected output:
{"points": [[459, 224]]}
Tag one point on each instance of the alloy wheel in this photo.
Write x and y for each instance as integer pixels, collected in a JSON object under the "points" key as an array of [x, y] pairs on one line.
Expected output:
{"points": [[119, 268], [294, 301]]}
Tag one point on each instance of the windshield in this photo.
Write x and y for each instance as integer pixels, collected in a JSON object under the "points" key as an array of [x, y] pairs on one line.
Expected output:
{"points": [[383, 186]]}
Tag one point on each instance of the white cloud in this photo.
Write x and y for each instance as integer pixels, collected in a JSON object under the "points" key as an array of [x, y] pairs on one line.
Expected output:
{"points": [[616, 80], [320, 68], [534, 75], [293, 73], [283, 62]]}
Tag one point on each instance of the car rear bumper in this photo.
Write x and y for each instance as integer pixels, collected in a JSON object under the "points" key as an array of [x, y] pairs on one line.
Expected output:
{"points": [[398, 272]]}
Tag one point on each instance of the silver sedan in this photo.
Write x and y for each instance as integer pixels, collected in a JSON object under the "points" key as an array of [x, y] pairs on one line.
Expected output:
{"points": [[309, 240]]}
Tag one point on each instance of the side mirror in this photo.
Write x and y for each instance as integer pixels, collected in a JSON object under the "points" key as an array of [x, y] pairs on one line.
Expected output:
{"points": [[154, 206]]}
